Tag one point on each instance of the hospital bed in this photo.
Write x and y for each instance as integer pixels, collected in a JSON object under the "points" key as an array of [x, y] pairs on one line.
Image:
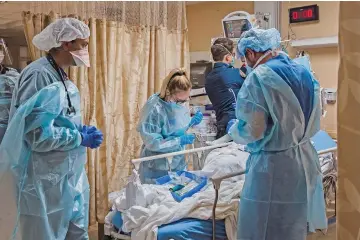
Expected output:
{"points": [[210, 229]]}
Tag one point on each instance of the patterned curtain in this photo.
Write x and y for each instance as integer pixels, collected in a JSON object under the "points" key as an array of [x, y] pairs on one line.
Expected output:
{"points": [[129, 58], [348, 198]]}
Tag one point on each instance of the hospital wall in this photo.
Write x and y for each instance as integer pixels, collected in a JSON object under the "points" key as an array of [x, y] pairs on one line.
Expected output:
{"points": [[324, 61], [204, 23]]}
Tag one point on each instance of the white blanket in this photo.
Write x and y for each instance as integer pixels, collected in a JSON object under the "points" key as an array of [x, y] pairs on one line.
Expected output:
{"points": [[158, 206]]}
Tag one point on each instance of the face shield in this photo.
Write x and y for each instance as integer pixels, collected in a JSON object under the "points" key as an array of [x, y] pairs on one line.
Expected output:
{"points": [[5, 56]]}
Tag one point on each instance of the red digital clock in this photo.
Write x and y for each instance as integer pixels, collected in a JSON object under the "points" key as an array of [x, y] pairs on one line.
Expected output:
{"points": [[304, 14]]}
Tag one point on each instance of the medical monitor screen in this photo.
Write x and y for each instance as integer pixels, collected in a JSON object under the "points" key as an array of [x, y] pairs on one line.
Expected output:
{"points": [[198, 73], [199, 70], [234, 28]]}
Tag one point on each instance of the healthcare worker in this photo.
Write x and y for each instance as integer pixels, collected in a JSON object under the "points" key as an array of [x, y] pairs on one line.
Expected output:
{"points": [[163, 123], [224, 82], [8, 78], [46, 142], [277, 114]]}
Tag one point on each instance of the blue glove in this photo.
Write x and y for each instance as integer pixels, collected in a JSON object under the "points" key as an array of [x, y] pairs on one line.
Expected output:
{"points": [[187, 139], [234, 105], [179, 133], [91, 137], [230, 124], [196, 120], [90, 129]]}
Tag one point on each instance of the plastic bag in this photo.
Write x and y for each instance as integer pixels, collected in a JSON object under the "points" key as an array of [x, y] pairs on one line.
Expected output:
{"points": [[135, 193], [178, 180]]}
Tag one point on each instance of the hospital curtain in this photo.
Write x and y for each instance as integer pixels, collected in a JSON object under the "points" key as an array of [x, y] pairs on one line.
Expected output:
{"points": [[128, 63], [348, 198]]}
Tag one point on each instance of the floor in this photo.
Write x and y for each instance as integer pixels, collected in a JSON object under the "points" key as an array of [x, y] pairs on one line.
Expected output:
{"points": [[330, 235]]}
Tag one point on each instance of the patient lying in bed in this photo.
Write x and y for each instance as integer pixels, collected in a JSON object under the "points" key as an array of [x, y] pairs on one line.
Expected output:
{"points": [[156, 207]]}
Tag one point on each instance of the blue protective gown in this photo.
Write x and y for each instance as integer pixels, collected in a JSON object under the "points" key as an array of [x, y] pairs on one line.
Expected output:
{"points": [[7, 85], [161, 125], [283, 187], [47, 161]]}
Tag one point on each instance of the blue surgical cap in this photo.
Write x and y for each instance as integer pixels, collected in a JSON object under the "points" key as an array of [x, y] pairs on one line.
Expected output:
{"points": [[258, 40]]}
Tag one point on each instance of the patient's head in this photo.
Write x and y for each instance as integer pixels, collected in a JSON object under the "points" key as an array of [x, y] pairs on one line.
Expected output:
{"points": [[176, 86]]}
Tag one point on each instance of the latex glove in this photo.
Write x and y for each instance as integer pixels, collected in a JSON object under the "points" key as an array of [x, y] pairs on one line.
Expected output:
{"points": [[230, 124], [90, 129], [179, 133], [187, 139], [91, 137], [196, 120]]}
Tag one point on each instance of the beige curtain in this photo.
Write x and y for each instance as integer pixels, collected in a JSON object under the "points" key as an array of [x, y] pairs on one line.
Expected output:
{"points": [[128, 63], [348, 200]]}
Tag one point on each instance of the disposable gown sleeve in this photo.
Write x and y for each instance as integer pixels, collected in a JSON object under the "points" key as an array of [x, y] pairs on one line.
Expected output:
{"points": [[315, 126], [48, 137], [150, 129], [251, 112]]}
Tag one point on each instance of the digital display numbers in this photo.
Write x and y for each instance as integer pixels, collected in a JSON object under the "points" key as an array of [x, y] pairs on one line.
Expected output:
{"points": [[304, 14]]}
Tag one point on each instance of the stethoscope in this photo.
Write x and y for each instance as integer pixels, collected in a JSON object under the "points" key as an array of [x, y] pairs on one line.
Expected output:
{"points": [[71, 110]]}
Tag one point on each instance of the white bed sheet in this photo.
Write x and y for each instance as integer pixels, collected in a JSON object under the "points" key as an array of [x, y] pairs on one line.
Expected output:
{"points": [[159, 207]]}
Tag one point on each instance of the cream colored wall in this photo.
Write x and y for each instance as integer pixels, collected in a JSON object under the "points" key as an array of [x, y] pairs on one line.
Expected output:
{"points": [[325, 61], [204, 23]]}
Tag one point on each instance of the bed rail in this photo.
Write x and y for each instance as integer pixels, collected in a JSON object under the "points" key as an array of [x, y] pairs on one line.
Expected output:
{"points": [[137, 161]]}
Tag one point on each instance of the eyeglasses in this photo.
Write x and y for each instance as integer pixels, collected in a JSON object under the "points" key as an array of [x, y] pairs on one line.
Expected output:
{"points": [[180, 101]]}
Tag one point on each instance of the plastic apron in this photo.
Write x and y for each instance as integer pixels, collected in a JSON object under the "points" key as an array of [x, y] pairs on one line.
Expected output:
{"points": [[161, 125], [50, 187], [283, 186]]}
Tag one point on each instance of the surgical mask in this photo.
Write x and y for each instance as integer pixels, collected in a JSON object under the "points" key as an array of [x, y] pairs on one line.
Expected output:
{"points": [[233, 58], [232, 62], [182, 104], [178, 103], [81, 57]]}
